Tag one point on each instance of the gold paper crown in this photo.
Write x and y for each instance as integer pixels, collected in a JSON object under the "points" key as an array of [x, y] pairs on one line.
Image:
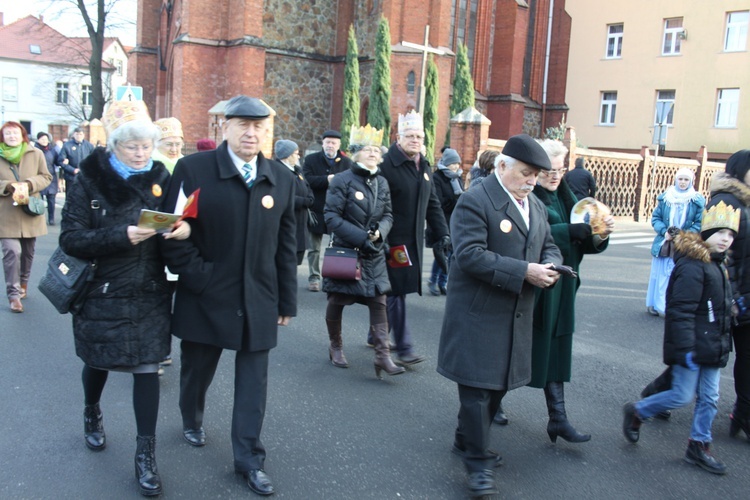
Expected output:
{"points": [[721, 216], [365, 136], [121, 112], [410, 121], [169, 127]]}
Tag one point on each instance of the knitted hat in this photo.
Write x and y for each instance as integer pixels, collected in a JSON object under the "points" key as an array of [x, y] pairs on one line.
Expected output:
{"points": [[284, 149], [719, 216], [205, 144], [738, 164], [169, 127], [450, 156]]}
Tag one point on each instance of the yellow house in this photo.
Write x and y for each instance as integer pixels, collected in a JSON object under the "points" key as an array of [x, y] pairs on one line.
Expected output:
{"points": [[687, 57]]}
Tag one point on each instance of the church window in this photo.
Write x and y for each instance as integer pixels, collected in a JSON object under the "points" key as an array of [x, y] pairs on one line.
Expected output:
{"points": [[410, 82], [464, 26]]}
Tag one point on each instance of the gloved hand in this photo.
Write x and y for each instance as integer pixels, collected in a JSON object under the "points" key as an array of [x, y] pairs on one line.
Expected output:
{"points": [[579, 232], [440, 251], [445, 241], [689, 362], [370, 247]]}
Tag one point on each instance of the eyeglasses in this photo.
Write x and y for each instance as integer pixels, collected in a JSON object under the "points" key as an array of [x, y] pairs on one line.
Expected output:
{"points": [[413, 137], [131, 148], [371, 149], [555, 172], [173, 145]]}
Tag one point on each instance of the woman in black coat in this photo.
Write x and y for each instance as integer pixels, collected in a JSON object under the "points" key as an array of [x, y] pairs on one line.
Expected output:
{"points": [[358, 214], [44, 143], [124, 322], [287, 153]]}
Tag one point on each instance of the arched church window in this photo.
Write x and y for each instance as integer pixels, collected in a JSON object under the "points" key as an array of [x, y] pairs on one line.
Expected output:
{"points": [[464, 26], [410, 82]]}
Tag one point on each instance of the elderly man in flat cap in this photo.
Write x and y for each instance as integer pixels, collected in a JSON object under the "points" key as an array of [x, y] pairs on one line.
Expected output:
{"points": [[503, 250], [238, 278], [318, 170]]}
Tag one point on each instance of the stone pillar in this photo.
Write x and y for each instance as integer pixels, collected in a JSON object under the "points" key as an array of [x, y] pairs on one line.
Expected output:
{"points": [[470, 130]]}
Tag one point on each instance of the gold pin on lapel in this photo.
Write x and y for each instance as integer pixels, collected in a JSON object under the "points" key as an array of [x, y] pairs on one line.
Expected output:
{"points": [[506, 226], [267, 201]]}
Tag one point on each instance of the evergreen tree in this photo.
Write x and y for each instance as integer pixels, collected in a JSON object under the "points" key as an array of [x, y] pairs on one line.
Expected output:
{"points": [[432, 96], [379, 111], [463, 86], [351, 90]]}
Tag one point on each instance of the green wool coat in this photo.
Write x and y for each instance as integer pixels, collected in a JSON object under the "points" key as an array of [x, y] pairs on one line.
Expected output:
{"points": [[554, 310]]}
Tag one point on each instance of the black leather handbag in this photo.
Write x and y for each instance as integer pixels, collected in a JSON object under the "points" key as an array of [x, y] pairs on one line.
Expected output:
{"points": [[65, 281], [341, 264]]}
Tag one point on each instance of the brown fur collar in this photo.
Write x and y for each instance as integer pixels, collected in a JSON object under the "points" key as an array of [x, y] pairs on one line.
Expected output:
{"points": [[692, 245], [721, 182]]}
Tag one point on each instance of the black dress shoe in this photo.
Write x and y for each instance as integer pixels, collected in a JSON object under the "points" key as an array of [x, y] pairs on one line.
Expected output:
{"points": [[631, 423], [482, 483], [259, 482], [196, 437], [500, 417], [461, 452], [410, 359]]}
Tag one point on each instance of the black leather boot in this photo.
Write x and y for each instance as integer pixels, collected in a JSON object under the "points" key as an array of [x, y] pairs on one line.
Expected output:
{"points": [[698, 454], [738, 423], [146, 472], [93, 427], [558, 420], [335, 350], [383, 359]]}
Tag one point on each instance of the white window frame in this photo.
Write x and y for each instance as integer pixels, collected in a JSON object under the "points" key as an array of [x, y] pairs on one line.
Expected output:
{"points": [[87, 95], [663, 98], [615, 40], [671, 42], [608, 108], [735, 33], [62, 88], [727, 107]]}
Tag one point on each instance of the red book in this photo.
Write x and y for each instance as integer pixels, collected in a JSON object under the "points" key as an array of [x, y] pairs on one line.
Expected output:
{"points": [[190, 210], [398, 256]]}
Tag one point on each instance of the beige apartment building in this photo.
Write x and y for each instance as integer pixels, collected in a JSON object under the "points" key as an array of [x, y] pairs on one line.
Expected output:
{"points": [[630, 58]]}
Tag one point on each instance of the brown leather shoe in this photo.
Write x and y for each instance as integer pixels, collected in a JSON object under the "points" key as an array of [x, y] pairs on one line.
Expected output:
{"points": [[24, 286], [16, 306]]}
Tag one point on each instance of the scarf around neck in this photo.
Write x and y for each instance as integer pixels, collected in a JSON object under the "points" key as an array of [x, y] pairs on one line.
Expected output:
{"points": [[124, 171], [454, 178], [678, 200], [13, 153]]}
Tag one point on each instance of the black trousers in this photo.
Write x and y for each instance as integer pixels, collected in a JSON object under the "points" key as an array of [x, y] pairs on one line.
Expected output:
{"points": [[478, 407], [741, 336], [198, 366]]}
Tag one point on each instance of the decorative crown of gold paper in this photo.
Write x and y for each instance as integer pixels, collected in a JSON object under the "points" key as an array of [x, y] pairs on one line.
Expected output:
{"points": [[169, 127], [721, 216], [410, 121], [365, 136], [121, 112]]}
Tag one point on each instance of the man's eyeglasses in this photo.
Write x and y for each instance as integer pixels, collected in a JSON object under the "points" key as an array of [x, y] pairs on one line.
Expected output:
{"points": [[414, 137]]}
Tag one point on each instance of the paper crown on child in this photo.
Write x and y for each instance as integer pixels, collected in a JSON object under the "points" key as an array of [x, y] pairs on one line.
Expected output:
{"points": [[120, 112], [410, 121], [720, 216], [365, 136], [169, 127]]}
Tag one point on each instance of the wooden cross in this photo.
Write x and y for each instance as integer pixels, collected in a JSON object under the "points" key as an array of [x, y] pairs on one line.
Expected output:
{"points": [[425, 49]]}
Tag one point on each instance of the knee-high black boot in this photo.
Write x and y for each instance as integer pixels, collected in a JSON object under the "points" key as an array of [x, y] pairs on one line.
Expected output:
{"points": [[146, 472], [558, 420]]}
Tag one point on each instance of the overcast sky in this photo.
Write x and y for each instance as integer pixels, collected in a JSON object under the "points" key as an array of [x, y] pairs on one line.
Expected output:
{"points": [[65, 17]]}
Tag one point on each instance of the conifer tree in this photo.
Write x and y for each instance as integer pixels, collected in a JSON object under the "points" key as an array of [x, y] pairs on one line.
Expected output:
{"points": [[463, 86], [432, 96], [351, 89], [379, 111]]}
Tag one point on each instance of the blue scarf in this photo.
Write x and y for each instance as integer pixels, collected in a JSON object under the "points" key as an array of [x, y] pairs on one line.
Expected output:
{"points": [[124, 171]]}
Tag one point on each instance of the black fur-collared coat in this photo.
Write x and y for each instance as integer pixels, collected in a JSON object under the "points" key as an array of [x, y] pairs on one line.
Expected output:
{"points": [[125, 319]]}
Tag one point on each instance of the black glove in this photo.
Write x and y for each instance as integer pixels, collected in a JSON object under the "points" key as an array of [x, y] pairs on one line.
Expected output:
{"points": [[370, 248], [579, 232], [440, 251]]}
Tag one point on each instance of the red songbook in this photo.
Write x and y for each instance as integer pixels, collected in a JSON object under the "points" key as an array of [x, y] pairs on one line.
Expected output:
{"points": [[399, 256], [190, 210]]}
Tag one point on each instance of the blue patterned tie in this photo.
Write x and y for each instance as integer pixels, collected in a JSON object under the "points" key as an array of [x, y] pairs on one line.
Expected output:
{"points": [[247, 175]]}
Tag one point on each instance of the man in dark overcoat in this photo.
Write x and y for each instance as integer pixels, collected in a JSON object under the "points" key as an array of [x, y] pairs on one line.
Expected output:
{"points": [[414, 201], [503, 248], [318, 169], [238, 277]]}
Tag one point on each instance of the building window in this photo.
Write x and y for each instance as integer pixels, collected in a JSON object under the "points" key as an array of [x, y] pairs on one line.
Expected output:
{"points": [[608, 108], [726, 108], [614, 41], [118, 64], [664, 102], [672, 33], [10, 89], [87, 95], [35, 49], [463, 28], [410, 82], [735, 37], [62, 93]]}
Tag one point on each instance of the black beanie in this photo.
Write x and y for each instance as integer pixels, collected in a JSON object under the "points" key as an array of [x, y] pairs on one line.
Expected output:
{"points": [[738, 164]]}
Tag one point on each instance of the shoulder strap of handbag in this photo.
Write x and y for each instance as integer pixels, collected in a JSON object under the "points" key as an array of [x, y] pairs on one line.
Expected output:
{"points": [[15, 174]]}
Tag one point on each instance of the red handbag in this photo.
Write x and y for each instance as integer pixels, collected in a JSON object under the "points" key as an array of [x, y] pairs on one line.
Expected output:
{"points": [[341, 264]]}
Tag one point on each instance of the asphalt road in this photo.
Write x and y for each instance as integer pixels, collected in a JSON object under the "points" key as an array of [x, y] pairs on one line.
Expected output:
{"points": [[342, 434]]}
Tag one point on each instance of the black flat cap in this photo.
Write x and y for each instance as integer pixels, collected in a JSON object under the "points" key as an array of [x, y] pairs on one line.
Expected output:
{"points": [[523, 148], [242, 106], [332, 133]]}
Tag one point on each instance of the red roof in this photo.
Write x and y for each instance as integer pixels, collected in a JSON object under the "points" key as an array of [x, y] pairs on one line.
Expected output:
{"points": [[17, 40]]}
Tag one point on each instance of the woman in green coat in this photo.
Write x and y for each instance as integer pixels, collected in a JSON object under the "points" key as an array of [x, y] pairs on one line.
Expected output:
{"points": [[554, 310]]}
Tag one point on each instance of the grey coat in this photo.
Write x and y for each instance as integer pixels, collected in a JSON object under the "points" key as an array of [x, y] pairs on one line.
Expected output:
{"points": [[486, 336]]}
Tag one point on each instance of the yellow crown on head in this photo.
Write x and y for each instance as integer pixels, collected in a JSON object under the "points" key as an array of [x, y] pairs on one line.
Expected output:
{"points": [[121, 112], [410, 121], [169, 127], [365, 136], [721, 216]]}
